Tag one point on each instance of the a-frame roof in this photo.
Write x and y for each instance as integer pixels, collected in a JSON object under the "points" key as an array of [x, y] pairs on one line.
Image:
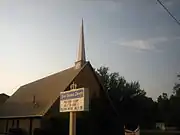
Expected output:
{"points": [[35, 99], [3, 98]]}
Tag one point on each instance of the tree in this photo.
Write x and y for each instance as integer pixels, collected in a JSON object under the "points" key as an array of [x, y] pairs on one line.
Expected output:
{"points": [[163, 97], [174, 110], [174, 104], [128, 98], [168, 108], [176, 89], [163, 108]]}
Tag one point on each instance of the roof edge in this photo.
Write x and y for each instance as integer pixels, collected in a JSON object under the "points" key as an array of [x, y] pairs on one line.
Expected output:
{"points": [[101, 85], [46, 111], [46, 76], [24, 85], [67, 85], [77, 73], [28, 116]]}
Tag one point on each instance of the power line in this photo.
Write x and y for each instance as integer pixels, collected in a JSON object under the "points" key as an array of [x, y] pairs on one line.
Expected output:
{"points": [[176, 20]]}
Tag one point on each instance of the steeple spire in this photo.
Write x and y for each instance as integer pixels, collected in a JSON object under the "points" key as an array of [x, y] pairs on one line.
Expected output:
{"points": [[81, 57]]}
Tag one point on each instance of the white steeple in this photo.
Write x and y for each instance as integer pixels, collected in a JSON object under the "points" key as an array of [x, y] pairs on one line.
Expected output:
{"points": [[81, 57]]}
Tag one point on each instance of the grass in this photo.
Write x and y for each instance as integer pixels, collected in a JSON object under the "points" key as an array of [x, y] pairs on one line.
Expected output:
{"points": [[159, 132]]}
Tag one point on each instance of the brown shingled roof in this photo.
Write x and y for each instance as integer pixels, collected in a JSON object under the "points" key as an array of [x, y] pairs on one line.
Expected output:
{"points": [[34, 99], [3, 98]]}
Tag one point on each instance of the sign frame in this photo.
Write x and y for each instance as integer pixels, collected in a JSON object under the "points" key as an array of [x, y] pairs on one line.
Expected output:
{"points": [[74, 100]]}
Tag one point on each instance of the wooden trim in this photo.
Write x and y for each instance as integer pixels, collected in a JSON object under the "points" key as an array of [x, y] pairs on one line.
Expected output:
{"points": [[102, 87], [21, 117]]}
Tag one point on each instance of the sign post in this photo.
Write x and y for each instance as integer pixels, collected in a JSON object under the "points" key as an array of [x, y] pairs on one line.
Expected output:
{"points": [[72, 117], [73, 101], [72, 123]]}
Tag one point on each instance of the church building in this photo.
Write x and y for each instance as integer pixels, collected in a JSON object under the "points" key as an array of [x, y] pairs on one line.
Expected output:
{"points": [[36, 105]]}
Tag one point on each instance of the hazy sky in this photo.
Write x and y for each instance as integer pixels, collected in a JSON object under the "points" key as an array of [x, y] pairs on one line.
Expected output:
{"points": [[136, 38]]}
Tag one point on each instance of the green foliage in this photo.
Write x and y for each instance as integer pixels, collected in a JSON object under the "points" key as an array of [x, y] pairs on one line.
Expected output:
{"points": [[176, 88], [133, 106], [123, 103], [168, 108], [130, 101]]}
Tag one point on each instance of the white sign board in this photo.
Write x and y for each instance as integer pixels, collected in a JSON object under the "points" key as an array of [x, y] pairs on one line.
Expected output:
{"points": [[74, 100]]}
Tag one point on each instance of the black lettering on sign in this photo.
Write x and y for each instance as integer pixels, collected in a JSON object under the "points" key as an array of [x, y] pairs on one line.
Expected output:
{"points": [[69, 101]]}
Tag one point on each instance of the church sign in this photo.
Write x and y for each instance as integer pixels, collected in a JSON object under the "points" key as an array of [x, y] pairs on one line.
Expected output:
{"points": [[74, 100]]}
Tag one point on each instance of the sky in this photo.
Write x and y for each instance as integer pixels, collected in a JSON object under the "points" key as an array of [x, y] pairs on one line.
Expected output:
{"points": [[136, 38]]}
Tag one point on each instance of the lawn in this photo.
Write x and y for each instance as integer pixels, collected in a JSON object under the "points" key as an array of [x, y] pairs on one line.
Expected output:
{"points": [[160, 132]]}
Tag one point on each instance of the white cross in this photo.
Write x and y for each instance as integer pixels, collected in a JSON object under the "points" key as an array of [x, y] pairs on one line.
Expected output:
{"points": [[73, 86]]}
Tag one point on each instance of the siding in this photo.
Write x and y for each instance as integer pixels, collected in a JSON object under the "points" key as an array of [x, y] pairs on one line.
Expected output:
{"points": [[21, 123]]}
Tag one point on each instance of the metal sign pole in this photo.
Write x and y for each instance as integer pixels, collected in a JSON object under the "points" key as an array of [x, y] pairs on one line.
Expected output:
{"points": [[73, 101], [72, 118], [72, 123]]}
